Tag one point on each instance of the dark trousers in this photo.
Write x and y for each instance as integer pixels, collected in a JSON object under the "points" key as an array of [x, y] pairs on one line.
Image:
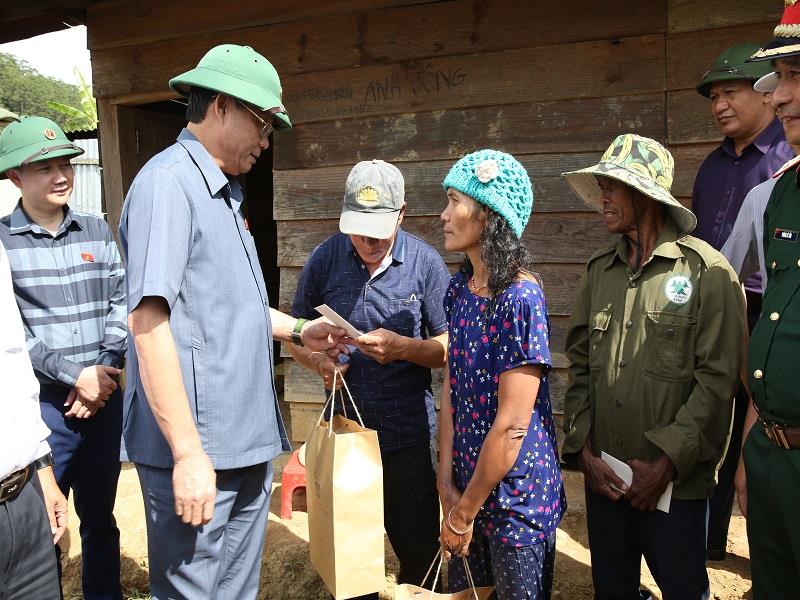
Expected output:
{"points": [[673, 544], [721, 503], [86, 461], [27, 562], [410, 511]]}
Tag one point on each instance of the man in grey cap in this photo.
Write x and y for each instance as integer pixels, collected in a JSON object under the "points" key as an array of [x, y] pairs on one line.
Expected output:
{"points": [[201, 416], [389, 284]]}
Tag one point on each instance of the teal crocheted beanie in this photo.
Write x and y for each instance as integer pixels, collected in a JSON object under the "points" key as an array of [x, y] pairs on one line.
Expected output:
{"points": [[497, 180]]}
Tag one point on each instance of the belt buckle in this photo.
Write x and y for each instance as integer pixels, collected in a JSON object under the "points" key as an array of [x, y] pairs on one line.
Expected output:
{"points": [[12, 484], [775, 434]]}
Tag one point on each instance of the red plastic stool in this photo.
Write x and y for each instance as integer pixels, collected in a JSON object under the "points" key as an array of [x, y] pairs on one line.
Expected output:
{"points": [[293, 477]]}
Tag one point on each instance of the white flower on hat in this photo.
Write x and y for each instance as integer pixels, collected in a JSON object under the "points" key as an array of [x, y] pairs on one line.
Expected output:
{"points": [[487, 170]]}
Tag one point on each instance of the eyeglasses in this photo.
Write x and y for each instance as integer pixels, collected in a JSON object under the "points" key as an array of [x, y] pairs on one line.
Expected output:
{"points": [[266, 128]]}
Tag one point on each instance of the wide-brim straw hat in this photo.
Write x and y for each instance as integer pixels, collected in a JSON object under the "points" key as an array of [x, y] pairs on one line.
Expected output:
{"points": [[641, 163]]}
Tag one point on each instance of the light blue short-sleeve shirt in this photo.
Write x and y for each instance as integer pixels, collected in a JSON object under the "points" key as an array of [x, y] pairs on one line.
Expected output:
{"points": [[185, 240]]}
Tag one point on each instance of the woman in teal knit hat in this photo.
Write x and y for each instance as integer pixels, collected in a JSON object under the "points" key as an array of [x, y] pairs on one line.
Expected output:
{"points": [[499, 480]]}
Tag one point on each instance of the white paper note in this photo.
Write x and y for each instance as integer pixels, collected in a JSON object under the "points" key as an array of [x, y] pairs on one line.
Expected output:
{"points": [[625, 473], [338, 320]]}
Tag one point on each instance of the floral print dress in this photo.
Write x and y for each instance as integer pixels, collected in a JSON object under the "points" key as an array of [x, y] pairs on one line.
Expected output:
{"points": [[526, 506]]}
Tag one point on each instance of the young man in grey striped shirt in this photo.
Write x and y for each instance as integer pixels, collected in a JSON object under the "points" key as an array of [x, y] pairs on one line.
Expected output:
{"points": [[69, 285]]}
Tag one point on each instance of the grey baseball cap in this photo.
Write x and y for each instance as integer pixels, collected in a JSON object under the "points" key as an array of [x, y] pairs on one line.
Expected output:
{"points": [[373, 196]]}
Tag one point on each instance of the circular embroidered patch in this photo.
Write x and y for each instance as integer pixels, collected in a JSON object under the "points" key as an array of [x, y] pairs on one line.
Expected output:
{"points": [[678, 289]]}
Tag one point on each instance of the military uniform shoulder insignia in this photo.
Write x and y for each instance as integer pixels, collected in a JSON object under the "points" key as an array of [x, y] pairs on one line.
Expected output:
{"points": [[788, 165]]}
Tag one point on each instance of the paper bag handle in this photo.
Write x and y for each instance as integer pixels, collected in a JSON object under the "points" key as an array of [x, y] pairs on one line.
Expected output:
{"points": [[437, 560], [332, 401]]}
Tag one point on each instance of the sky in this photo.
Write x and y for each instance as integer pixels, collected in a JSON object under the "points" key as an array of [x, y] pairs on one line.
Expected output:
{"points": [[55, 54]]}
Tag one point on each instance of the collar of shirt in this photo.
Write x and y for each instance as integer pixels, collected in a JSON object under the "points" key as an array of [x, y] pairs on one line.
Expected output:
{"points": [[762, 143], [21, 223], [215, 179], [665, 245]]}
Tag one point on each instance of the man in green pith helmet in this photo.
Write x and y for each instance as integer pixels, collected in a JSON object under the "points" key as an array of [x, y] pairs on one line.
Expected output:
{"points": [[655, 343], [69, 284], [771, 449], [202, 420], [753, 149]]}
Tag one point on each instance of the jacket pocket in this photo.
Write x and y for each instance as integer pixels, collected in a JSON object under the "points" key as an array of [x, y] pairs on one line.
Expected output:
{"points": [[598, 338], [669, 345]]}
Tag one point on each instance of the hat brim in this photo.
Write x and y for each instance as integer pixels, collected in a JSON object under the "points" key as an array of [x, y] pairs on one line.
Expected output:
{"points": [[210, 79], [781, 47], [767, 83], [6, 116], [378, 225], [704, 87], [13, 160], [584, 184]]}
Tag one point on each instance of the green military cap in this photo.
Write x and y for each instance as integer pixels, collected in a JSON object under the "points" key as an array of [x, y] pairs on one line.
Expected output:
{"points": [[732, 64], [30, 140], [241, 72]]}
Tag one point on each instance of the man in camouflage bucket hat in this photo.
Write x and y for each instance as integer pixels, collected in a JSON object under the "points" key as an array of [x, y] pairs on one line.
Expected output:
{"points": [[655, 345]]}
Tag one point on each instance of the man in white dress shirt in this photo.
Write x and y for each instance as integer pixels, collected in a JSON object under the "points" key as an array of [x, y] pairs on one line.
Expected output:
{"points": [[33, 511]]}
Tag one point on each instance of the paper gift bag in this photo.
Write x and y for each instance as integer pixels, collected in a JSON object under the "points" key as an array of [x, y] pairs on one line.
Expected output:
{"points": [[344, 487], [407, 591]]}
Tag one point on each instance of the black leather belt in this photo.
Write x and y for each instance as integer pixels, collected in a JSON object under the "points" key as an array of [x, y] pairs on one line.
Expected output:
{"points": [[12, 485]]}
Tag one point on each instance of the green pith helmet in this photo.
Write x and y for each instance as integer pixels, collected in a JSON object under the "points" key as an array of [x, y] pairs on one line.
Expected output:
{"points": [[241, 72], [30, 140], [732, 64]]}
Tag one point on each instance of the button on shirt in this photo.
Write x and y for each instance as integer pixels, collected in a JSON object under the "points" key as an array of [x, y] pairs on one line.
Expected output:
{"points": [[405, 298], [682, 355], [776, 337], [724, 180], [23, 434], [70, 290], [185, 241]]}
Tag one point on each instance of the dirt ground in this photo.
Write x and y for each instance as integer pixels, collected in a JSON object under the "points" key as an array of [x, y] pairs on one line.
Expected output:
{"points": [[288, 575]]}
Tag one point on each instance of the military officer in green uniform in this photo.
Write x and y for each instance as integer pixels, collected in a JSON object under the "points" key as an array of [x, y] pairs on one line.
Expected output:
{"points": [[771, 450], [656, 346]]}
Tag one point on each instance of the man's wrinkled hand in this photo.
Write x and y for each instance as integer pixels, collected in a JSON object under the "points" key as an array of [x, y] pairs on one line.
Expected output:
{"points": [[323, 336], [600, 477], [79, 407], [55, 503], [326, 367], [382, 345], [650, 479], [95, 383], [194, 484]]}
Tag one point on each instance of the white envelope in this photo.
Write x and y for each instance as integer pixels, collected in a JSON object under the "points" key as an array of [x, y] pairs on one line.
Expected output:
{"points": [[625, 473], [338, 320]]}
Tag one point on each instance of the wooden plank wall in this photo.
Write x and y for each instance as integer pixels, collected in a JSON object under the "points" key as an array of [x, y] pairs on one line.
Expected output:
{"points": [[421, 83]]}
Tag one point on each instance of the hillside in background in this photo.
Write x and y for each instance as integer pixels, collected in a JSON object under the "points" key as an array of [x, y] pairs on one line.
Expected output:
{"points": [[25, 91]]}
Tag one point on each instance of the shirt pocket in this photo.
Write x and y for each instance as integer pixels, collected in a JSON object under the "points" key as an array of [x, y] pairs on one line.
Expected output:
{"points": [[599, 338], [404, 316], [668, 350]]}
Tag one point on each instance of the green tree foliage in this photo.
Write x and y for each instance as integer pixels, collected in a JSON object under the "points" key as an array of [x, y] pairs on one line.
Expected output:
{"points": [[25, 91], [84, 117]]}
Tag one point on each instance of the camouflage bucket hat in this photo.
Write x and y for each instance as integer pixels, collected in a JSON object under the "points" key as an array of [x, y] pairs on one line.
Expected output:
{"points": [[641, 163]]}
